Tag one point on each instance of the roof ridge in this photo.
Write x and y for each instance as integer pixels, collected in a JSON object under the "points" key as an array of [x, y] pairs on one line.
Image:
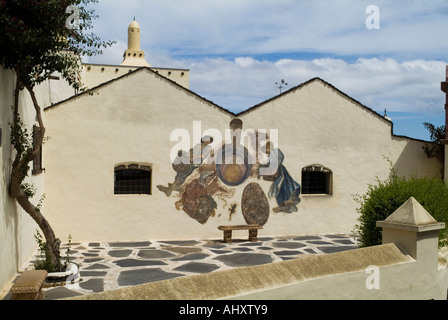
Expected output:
{"points": [[244, 112], [93, 89], [258, 105]]}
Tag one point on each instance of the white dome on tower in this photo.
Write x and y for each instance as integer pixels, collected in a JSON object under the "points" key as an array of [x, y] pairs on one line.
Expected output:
{"points": [[134, 56]]}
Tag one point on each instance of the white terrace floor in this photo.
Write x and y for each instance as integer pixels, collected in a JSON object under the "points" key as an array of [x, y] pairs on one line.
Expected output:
{"points": [[112, 265]]}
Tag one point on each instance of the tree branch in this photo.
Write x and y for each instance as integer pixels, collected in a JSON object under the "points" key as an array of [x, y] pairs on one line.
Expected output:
{"points": [[41, 124], [20, 170], [20, 165]]}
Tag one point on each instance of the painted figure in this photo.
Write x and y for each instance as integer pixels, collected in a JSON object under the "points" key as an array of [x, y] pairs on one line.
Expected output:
{"points": [[189, 163], [197, 183], [283, 188]]}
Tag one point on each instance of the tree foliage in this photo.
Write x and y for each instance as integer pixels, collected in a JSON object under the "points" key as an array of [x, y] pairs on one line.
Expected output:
{"points": [[435, 149], [35, 41], [383, 198]]}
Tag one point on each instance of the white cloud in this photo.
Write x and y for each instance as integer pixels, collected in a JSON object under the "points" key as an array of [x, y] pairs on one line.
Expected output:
{"points": [[215, 27], [410, 86], [219, 42], [112, 55]]}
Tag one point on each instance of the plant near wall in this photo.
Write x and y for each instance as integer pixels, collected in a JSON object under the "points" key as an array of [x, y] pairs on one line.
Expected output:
{"points": [[37, 40], [435, 148], [43, 262], [384, 197], [67, 258]]}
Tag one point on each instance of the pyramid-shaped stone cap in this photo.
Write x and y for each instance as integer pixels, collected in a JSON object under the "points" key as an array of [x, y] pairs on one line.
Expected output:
{"points": [[411, 216]]}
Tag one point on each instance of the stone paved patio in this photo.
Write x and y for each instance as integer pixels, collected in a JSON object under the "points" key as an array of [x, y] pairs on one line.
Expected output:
{"points": [[112, 265]]}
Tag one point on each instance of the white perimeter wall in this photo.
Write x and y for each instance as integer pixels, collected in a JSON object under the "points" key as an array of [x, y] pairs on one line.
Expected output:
{"points": [[17, 229]]}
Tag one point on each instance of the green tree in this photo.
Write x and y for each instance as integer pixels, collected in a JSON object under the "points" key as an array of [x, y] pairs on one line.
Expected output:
{"points": [[39, 38], [435, 149]]}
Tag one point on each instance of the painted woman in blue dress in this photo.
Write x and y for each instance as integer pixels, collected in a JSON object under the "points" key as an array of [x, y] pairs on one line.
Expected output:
{"points": [[283, 188]]}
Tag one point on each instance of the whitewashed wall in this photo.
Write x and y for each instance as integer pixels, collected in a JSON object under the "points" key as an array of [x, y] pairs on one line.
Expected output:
{"points": [[318, 124], [96, 74], [130, 121], [17, 229]]}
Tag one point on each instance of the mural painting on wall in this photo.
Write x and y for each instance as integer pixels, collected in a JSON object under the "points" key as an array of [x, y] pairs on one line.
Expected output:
{"points": [[204, 182], [284, 188]]}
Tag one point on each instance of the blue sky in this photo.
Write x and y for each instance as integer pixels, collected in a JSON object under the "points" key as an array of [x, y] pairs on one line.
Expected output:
{"points": [[237, 50]]}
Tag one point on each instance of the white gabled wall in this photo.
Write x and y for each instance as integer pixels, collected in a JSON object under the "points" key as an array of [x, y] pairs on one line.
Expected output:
{"points": [[130, 120], [319, 125], [92, 134]]}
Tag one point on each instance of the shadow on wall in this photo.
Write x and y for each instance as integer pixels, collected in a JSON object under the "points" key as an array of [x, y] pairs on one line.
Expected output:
{"points": [[413, 161], [8, 207]]}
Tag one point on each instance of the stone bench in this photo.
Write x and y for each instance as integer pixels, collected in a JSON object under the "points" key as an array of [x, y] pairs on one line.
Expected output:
{"points": [[253, 231], [29, 285]]}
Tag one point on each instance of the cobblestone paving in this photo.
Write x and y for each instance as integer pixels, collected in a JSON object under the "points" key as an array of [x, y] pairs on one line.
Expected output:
{"points": [[111, 265]]}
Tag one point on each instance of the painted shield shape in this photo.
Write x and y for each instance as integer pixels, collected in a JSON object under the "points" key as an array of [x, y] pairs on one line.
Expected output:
{"points": [[255, 205]]}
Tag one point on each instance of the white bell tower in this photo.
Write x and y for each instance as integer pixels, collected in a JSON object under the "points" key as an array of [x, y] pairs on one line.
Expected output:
{"points": [[134, 56]]}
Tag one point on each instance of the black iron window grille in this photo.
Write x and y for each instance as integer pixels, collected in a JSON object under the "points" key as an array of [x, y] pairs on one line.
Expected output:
{"points": [[317, 180], [133, 179]]}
